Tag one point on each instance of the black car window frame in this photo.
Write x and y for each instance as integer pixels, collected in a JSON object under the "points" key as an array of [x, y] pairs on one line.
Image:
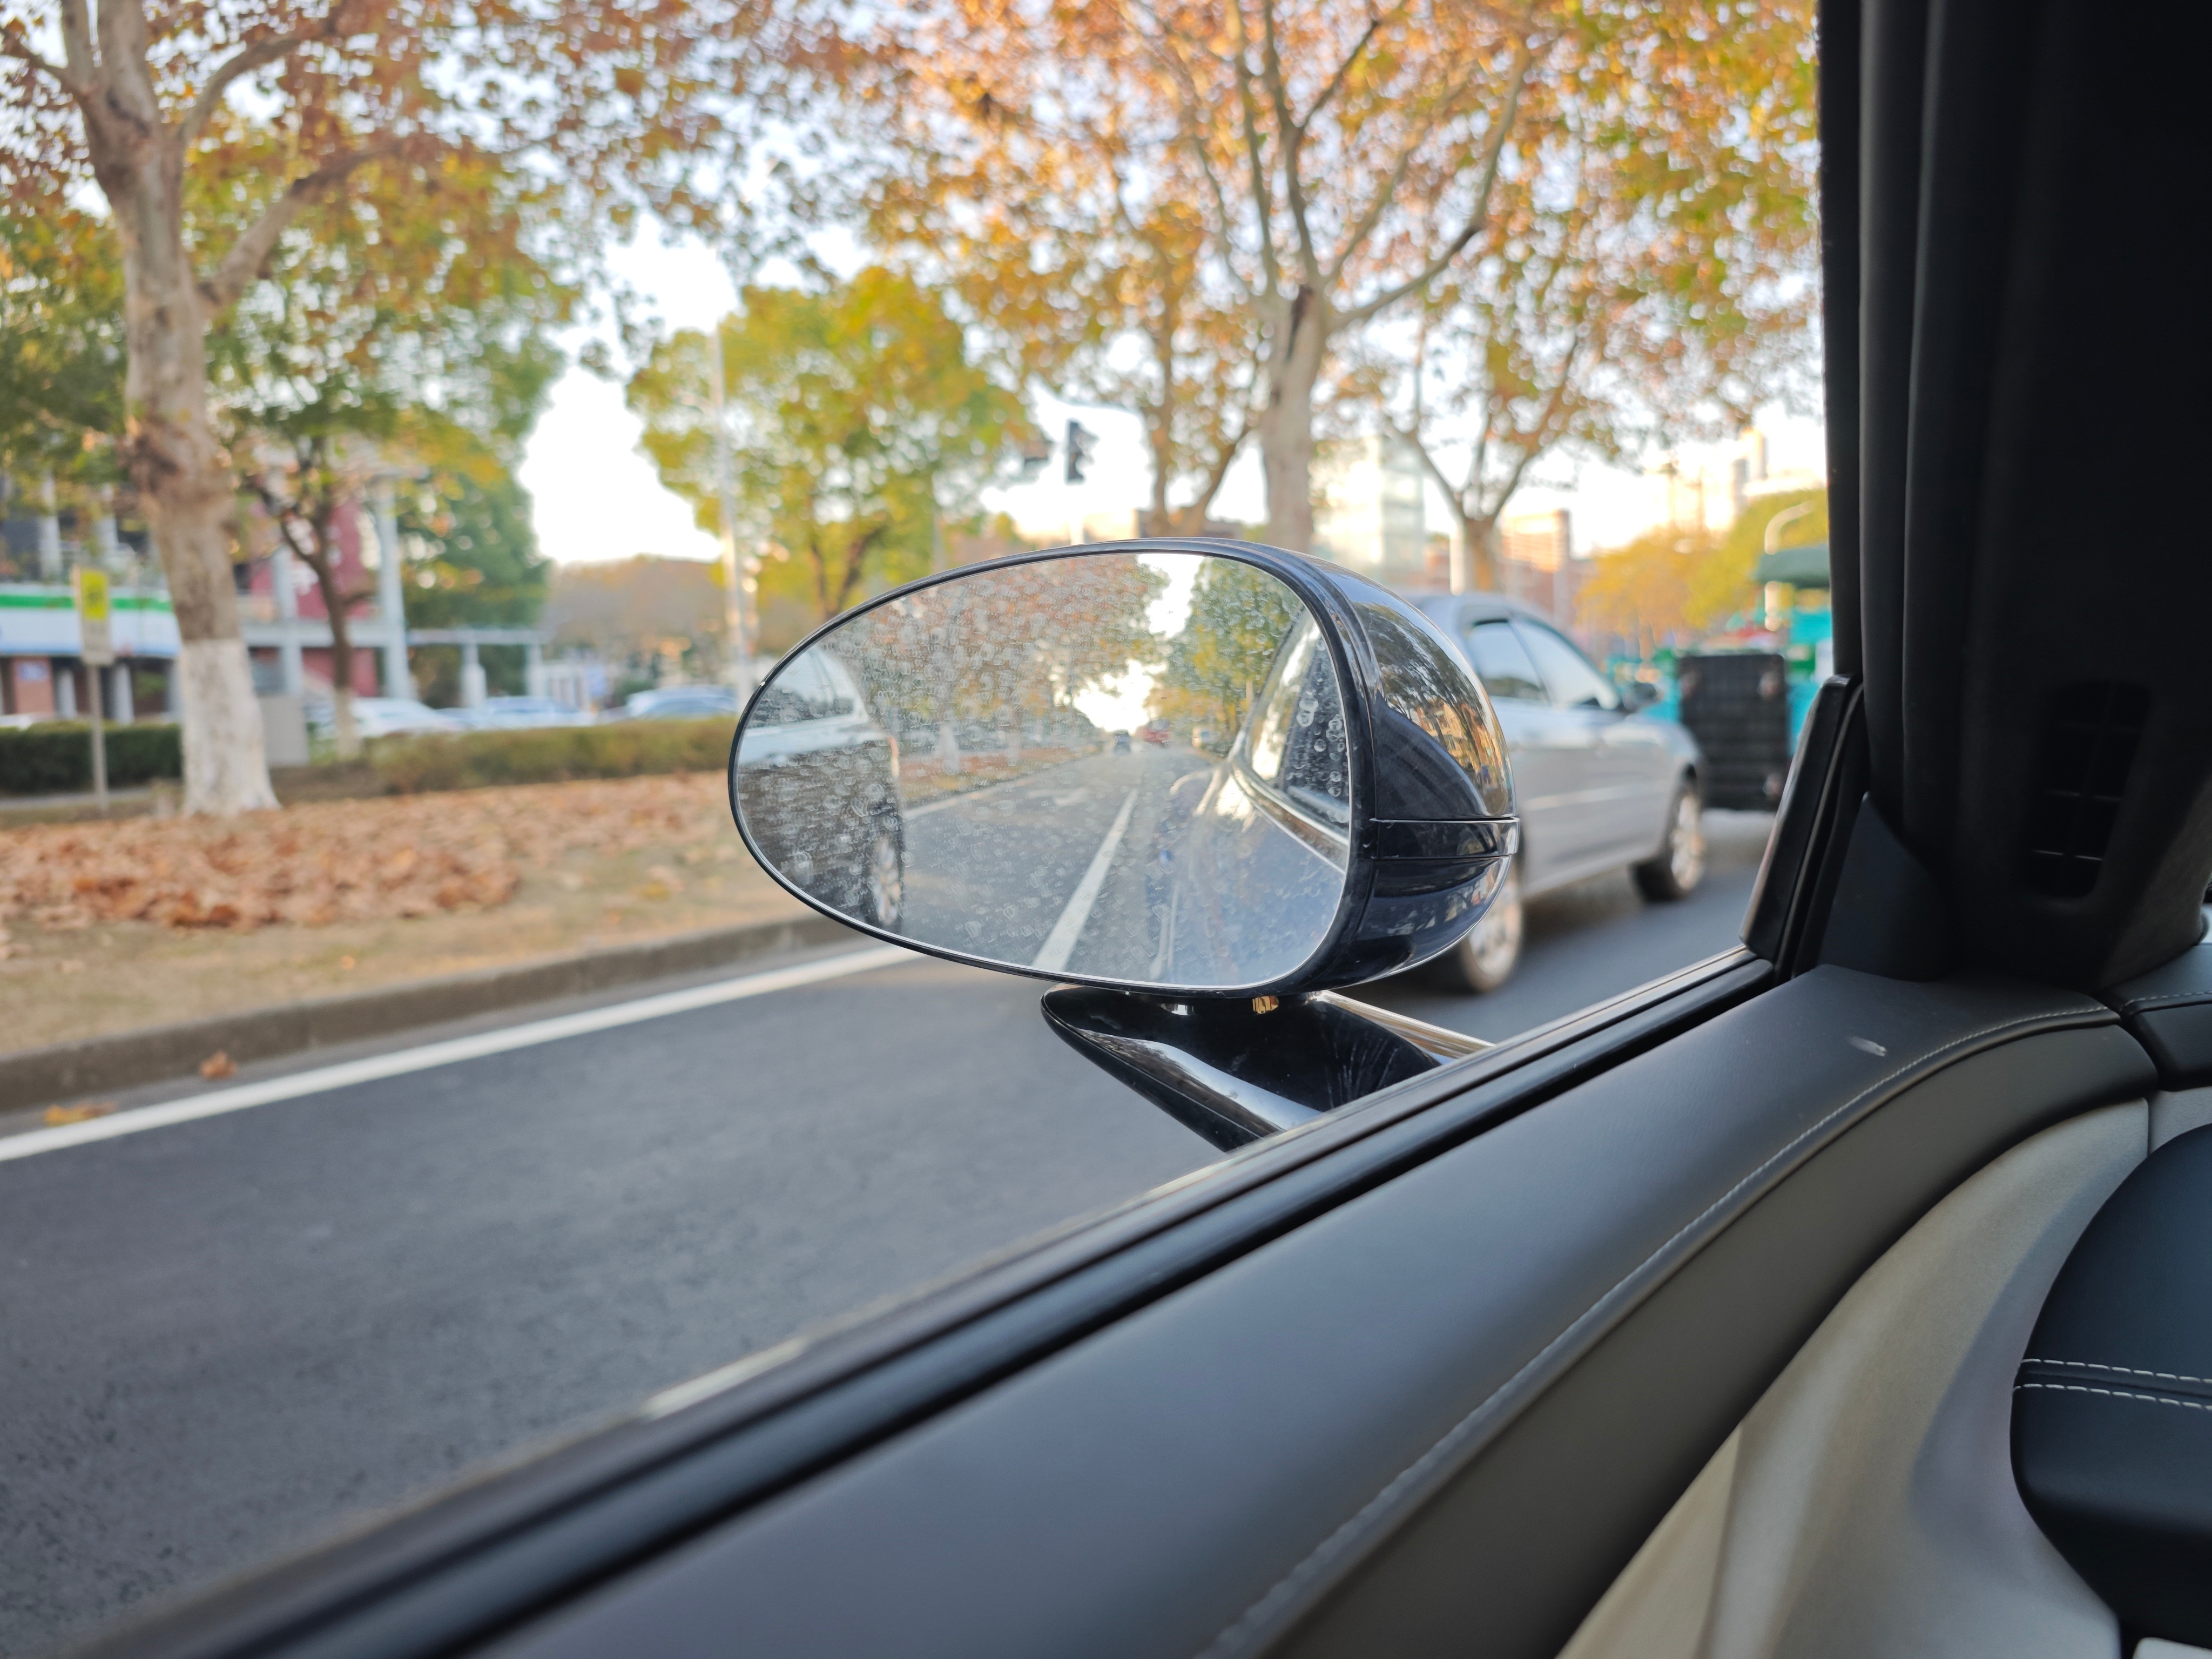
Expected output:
{"points": [[1485, 632], [1539, 641]]}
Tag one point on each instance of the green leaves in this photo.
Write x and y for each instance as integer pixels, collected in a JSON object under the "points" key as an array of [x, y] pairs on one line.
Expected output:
{"points": [[855, 421], [61, 343]]}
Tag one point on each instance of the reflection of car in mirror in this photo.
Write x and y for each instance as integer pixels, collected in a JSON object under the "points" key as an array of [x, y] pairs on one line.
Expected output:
{"points": [[819, 789], [1600, 784]]}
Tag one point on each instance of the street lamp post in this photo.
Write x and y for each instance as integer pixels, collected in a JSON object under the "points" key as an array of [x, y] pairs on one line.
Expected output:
{"points": [[736, 619], [391, 592]]}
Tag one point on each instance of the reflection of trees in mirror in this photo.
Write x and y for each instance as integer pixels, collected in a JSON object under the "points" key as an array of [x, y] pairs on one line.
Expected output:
{"points": [[1422, 681], [1298, 741], [978, 677], [1238, 616]]}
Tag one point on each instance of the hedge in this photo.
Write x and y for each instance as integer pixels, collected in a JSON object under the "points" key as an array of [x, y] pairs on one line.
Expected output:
{"points": [[551, 754], [55, 756]]}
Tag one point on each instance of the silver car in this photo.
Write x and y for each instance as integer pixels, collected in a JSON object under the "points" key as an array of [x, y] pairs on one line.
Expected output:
{"points": [[1600, 785]]}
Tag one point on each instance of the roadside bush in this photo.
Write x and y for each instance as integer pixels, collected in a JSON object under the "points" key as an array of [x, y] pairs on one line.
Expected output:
{"points": [[556, 754], [55, 756]]}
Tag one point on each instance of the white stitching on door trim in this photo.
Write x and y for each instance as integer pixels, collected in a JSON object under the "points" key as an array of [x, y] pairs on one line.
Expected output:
{"points": [[2122, 1370], [2113, 1393], [1225, 1642], [2134, 1003]]}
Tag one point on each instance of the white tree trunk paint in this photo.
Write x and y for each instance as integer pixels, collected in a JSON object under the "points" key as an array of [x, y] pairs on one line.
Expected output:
{"points": [[225, 766]]}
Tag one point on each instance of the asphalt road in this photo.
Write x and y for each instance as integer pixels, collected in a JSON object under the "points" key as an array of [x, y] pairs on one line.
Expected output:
{"points": [[221, 1340], [1004, 872]]}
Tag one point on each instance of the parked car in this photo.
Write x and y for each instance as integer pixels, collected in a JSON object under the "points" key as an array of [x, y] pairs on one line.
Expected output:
{"points": [[680, 702], [495, 714], [1600, 785], [383, 717]]}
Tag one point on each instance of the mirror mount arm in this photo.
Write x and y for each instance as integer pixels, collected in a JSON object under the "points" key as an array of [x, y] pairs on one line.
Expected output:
{"points": [[1235, 1074]]}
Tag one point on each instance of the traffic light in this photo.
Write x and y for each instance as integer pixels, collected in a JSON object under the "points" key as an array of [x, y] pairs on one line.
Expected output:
{"points": [[1081, 442]]}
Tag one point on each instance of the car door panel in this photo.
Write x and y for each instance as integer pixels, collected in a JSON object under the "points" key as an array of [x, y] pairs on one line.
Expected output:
{"points": [[1196, 1477], [1547, 749], [1867, 1505], [1625, 771], [490, 1552], [1637, 749]]}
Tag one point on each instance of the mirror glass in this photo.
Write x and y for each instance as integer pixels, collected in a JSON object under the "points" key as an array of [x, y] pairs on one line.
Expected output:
{"points": [[1130, 767]]}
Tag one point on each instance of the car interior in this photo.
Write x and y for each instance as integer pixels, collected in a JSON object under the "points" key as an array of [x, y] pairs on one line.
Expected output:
{"points": [[1844, 1294]]}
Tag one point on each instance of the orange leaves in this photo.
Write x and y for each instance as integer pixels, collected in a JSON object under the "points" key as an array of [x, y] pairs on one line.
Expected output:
{"points": [[343, 861]]}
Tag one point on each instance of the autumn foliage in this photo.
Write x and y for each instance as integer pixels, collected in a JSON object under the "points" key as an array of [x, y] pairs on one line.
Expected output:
{"points": [[326, 862]]}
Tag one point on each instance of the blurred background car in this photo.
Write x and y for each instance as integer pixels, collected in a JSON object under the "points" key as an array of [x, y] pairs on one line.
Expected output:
{"points": [[680, 702], [383, 717], [1600, 784], [501, 713]]}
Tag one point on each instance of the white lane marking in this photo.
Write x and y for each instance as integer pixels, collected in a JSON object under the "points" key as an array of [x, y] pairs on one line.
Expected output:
{"points": [[402, 1061], [1060, 944]]}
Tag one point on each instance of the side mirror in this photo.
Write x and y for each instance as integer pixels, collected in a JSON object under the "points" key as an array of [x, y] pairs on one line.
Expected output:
{"points": [[1320, 796]]}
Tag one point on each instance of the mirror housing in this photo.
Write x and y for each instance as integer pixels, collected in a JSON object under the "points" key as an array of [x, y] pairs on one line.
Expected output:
{"points": [[1425, 835]]}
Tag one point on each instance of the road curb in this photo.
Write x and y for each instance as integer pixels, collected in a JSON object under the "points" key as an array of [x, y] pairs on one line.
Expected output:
{"points": [[123, 1059]]}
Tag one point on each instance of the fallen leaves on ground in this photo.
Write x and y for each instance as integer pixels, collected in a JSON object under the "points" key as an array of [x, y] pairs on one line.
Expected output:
{"points": [[57, 1115], [217, 1066], [351, 861]]}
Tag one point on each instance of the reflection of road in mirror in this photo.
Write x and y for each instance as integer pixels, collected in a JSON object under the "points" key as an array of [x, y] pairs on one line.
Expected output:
{"points": [[1022, 764], [1047, 871]]}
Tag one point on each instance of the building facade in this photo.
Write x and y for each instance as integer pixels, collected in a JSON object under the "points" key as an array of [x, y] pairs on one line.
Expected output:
{"points": [[1370, 509]]}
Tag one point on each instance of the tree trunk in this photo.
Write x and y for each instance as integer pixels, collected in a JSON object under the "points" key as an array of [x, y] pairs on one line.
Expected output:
{"points": [[335, 604], [1285, 425], [1158, 417], [185, 489], [1480, 533]]}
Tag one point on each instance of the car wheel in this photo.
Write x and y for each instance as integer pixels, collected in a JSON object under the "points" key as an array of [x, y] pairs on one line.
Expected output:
{"points": [[884, 881], [1680, 864], [1486, 958]]}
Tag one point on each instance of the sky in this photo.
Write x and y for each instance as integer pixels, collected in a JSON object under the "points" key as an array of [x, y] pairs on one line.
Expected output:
{"points": [[597, 498]]}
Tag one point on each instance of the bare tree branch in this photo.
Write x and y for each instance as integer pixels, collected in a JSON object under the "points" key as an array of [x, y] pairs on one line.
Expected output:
{"points": [[12, 45], [1222, 460], [1263, 199], [1410, 436], [1494, 153], [129, 82], [245, 61], [76, 42], [1540, 441], [251, 251], [1387, 192], [1290, 135], [1336, 81], [1193, 137]]}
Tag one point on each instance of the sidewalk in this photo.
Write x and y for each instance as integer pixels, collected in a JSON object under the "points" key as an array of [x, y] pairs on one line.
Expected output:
{"points": [[105, 1065], [568, 872]]}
